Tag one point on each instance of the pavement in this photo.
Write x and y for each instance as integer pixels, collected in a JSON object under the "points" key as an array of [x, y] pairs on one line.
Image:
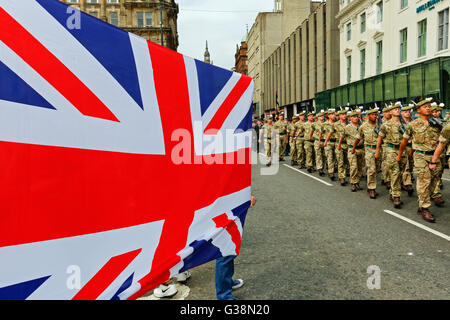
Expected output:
{"points": [[310, 238]]}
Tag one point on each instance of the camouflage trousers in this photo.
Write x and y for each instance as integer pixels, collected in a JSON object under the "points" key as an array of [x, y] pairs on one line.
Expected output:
{"points": [[268, 149], [342, 161], [426, 178], [309, 146], [384, 172], [395, 170], [331, 156], [372, 167], [319, 155], [408, 170], [437, 190], [282, 143], [293, 153], [356, 162], [301, 155]]}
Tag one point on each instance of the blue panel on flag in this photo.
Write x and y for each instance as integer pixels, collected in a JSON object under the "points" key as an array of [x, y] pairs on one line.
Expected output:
{"points": [[111, 46], [204, 251], [123, 287], [21, 291], [211, 81], [13, 88], [241, 211], [246, 123]]}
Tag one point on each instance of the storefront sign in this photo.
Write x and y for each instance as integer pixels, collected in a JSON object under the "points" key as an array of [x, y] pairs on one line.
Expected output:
{"points": [[429, 5]]}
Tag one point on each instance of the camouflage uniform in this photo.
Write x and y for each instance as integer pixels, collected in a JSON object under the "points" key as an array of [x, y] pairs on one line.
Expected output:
{"points": [[341, 155], [367, 134], [384, 171], [424, 142], [392, 137], [355, 160], [292, 143], [309, 144], [282, 128], [300, 143], [318, 151], [445, 139], [267, 131], [331, 146]]}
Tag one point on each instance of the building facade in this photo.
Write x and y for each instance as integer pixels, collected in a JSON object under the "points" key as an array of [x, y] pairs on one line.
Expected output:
{"points": [[266, 35], [241, 58], [141, 17], [305, 63], [392, 50]]}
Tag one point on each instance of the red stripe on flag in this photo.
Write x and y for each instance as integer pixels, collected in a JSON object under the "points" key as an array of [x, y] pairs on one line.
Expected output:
{"points": [[222, 221], [227, 106], [105, 276], [51, 69]]}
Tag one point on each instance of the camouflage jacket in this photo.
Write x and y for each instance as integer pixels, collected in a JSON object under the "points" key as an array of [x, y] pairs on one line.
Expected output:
{"points": [[267, 130], [350, 134], [367, 134], [318, 129], [307, 128], [299, 129], [423, 136], [390, 132], [327, 129], [281, 126]]}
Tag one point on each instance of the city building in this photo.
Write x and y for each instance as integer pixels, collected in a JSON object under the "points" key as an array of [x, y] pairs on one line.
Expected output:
{"points": [[241, 58], [267, 33], [141, 17], [391, 51], [305, 63], [207, 56]]}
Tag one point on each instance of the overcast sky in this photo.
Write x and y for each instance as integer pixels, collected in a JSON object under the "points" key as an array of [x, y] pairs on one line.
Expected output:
{"points": [[221, 22]]}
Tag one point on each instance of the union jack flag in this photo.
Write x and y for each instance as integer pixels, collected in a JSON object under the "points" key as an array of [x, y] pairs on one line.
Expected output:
{"points": [[88, 181]]}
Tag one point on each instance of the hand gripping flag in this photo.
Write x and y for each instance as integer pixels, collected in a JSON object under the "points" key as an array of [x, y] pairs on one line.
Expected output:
{"points": [[119, 158]]}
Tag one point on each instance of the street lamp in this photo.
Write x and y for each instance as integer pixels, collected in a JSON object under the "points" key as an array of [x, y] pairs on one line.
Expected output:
{"points": [[161, 21]]}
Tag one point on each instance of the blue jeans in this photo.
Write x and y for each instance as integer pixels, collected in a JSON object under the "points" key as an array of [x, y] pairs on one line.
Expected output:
{"points": [[224, 278]]}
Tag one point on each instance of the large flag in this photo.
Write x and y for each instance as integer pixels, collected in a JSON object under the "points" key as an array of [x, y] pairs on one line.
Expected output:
{"points": [[123, 163]]}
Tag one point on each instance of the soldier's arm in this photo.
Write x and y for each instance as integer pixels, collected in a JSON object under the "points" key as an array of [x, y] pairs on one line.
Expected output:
{"points": [[379, 142], [437, 153], [402, 148], [311, 133]]}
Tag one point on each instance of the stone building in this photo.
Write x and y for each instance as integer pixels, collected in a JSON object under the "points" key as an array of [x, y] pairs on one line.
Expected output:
{"points": [[141, 17], [267, 33], [392, 51], [305, 63]]}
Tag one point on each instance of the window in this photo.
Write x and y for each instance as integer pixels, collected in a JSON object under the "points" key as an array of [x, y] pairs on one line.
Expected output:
{"points": [[422, 37], [379, 57], [403, 4], [148, 19], [363, 63], [403, 45], [114, 18], [349, 31], [140, 19], [443, 30], [94, 13], [113, 1], [380, 11], [349, 69], [363, 22], [92, 1]]}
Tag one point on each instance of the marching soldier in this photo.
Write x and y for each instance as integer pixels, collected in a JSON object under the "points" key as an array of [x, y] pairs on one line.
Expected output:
{"points": [[368, 135], [384, 173], [330, 143], [267, 129], [300, 141], [356, 159], [341, 154], [392, 134], [436, 114], [444, 140], [318, 142], [407, 176], [424, 142], [282, 128], [293, 140], [309, 142]]}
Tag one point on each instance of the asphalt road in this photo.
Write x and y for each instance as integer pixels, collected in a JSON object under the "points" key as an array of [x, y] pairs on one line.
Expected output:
{"points": [[310, 238]]}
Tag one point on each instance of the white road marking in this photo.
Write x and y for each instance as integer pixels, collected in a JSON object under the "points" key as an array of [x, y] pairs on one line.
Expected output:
{"points": [[437, 233], [445, 179], [320, 180]]}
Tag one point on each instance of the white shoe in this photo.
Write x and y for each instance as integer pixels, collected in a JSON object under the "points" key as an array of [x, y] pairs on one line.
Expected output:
{"points": [[164, 291], [183, 276], [237, 284]]}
